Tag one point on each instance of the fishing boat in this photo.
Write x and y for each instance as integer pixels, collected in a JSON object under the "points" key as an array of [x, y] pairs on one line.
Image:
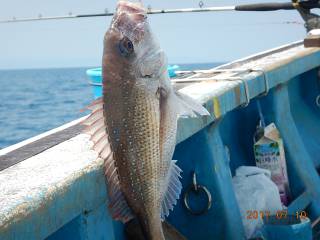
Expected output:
{"points": [[52, 186]]}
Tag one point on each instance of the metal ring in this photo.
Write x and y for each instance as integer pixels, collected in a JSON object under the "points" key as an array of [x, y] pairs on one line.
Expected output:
{"points": [[201, 4], [197, 188], [318, 100]]}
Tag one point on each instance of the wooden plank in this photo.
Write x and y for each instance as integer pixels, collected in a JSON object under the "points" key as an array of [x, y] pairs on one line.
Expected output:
{"points": [[38, 146], [312, 41]]}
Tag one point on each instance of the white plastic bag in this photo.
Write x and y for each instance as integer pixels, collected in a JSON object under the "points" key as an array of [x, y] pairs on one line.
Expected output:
{"points": [[257, 196]]}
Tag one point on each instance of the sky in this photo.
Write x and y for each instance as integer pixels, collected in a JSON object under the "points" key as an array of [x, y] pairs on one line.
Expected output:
{"points": [[186, 38]]}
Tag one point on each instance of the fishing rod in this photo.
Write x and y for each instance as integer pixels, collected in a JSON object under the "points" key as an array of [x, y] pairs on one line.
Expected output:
{"points": [[307, 5]]}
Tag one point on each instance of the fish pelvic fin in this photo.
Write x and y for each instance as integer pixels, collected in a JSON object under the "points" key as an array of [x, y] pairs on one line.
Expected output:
{"points": [[96, 128], [188, 107], [173, 190]]}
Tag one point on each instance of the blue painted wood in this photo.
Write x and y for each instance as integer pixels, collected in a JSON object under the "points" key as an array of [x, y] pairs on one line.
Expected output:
{"points": [[80, 196], [303, 91], [71, 230], [288, 229], [99, 225], [205, 154], [300, 203], [90, 225], [297, 156]]}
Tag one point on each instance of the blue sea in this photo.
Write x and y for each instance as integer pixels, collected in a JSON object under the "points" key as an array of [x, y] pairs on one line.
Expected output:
{"points": [[37, 100]]}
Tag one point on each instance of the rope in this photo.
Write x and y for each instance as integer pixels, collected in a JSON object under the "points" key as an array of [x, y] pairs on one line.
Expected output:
{"points": [[263, 123]]}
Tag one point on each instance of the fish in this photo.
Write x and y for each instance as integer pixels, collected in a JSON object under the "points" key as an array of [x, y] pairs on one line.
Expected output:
{"points": [[134, 125]]}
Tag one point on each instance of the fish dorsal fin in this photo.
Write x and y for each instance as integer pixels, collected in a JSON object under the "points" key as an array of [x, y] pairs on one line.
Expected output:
{"points": [[96, 128], [188, 107], [173, 190]]}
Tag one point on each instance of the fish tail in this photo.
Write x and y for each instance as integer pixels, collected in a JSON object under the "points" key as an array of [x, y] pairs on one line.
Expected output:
{"points": [[133, 231], [151, 227]]}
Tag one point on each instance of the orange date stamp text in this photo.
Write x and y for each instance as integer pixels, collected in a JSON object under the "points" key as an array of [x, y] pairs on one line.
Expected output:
{"points": [[280, 215]]}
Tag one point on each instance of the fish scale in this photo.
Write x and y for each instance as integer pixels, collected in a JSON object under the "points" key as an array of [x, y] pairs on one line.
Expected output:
{"points": [[143, 156], [137, 121]]}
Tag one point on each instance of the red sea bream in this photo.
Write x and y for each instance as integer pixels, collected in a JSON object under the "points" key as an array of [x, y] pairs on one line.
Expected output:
{"points": [[133, 126]]}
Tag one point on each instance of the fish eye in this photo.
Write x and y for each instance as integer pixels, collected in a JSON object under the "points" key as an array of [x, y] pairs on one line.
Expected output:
{"points": [[126, 47], [129, 45]]}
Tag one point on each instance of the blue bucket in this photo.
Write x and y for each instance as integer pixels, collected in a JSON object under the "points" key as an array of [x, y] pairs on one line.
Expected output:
{"points": [[289, 227], [172, 70], [95, 76]]}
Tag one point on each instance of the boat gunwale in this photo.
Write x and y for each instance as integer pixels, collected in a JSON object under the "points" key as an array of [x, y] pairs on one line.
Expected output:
{"points": [[226, 92]]}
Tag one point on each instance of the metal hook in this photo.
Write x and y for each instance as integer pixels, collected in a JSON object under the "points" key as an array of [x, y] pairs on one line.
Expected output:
{"points": [[201, 4], [266, 82], [196, 188], [194, 181], [246, 89]]}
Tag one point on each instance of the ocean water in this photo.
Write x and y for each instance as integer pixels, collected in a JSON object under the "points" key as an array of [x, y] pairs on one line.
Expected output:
{"points": [[37, 100]]}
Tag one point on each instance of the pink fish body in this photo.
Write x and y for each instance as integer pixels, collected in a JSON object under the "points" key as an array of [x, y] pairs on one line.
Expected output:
{"points": [[133, 126]]}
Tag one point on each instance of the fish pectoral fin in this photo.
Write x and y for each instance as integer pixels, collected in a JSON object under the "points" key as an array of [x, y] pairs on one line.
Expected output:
{"points": [[188, 107], [173, 190], [96, 128]]}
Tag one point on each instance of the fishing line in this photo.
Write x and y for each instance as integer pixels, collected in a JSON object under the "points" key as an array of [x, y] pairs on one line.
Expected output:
{"points": [[306, 5], [263, 123]]}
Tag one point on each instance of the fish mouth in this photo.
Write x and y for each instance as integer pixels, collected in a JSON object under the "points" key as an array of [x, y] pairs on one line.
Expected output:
{"points": [[135, 11], [130, 20]]}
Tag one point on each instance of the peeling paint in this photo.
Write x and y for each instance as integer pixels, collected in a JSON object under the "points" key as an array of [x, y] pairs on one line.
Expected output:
{"points": [[237, 92], [216, 107]]}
